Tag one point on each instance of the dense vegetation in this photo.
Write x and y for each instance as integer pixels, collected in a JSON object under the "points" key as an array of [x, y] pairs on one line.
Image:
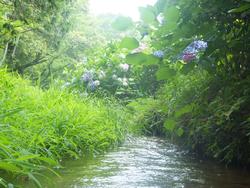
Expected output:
{"points": [[40, 128], [181, 72]]}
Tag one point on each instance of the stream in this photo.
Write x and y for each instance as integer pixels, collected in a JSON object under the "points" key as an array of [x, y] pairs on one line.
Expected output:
{"points": [[149, 162]]}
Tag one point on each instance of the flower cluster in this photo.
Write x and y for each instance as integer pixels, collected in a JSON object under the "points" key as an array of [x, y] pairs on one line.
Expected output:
{"points": [[123, 81], [92, 85], [192, 50], [87, 76], [124, 67], [159, 53]]}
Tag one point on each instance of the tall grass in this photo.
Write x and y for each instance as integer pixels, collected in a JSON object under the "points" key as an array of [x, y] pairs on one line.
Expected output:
{"points": [[40, 128]]}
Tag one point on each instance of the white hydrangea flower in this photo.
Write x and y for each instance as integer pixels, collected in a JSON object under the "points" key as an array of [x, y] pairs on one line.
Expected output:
{"points": [[124, 67], [101, 75], [114, 76]]}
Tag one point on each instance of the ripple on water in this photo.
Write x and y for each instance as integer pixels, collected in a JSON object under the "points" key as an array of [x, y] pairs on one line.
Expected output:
{"points": [[149, 162]]}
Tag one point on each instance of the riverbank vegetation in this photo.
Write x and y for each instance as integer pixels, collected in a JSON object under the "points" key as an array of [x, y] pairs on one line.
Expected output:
{"points": [[41, 128], [72, 84]]}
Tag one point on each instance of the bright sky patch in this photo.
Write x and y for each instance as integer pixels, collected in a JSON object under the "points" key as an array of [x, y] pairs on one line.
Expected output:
{"points": [[122, 7]]}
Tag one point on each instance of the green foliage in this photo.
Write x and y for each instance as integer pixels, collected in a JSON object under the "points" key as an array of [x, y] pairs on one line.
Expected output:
{"points": [[141, 59], [129, 43], [172, 15], [165, 73], [40, 128], [170, 124], [149, 116], [147, 14]]}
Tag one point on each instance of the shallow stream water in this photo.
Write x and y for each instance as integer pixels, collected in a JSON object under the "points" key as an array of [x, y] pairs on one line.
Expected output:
{"points": [[149, 162]]}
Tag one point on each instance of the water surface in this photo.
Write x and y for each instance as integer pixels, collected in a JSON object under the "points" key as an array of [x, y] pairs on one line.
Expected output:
{"points": [[149, 163]]}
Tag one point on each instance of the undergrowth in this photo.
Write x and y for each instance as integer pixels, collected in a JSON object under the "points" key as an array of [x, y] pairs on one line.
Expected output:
{"points": [[40, 128]]}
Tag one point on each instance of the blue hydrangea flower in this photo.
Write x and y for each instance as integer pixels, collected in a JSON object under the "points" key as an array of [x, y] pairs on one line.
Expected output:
{"points": [[159, 53], [92, 85], [87, 76], [196, 47], [145, 33], [191, 51]]}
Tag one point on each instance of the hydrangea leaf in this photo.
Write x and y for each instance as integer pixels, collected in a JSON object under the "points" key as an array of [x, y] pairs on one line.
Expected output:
{"points": [[165, 73], [171, 15], [147, 15], [187, 68], [122, 23], [129, 43], [141, 59]]}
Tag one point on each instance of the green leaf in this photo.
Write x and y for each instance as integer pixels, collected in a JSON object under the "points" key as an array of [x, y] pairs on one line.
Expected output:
{"points": [[129, 43], [187, 68], [184, 110], [170, 124], [27, 157], [240, 9], [147, 15], [9, 167], [180, 132], [172, 15], [122, 23], [48, 160], [36, 181], [141, 59], [165, 73]]}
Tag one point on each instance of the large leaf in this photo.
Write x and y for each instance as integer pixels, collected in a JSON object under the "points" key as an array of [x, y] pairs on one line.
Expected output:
{"points": [[129, 43], [147, 14], [141, 59], [172, 15], [165, 73], [122, 23], [170, 124]]}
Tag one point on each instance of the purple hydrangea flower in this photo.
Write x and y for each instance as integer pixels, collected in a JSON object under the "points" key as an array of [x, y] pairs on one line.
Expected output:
{"points": [[188, 57], [159, 53]]}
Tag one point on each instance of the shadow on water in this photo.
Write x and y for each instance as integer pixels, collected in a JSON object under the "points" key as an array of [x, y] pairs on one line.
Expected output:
{"points": [[149, 162]]}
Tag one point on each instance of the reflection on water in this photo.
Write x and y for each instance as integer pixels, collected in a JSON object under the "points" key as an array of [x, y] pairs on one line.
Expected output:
{"points": [[149, 162]]}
